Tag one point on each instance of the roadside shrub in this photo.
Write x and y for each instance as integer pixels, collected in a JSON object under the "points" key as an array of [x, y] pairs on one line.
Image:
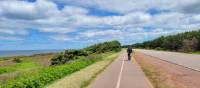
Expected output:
{"points": [[59, 59], [17, 60], [67, 56], [73, 54]]}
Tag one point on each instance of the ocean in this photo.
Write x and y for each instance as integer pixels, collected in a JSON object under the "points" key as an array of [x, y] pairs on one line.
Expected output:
{"points": [[25, 52]]}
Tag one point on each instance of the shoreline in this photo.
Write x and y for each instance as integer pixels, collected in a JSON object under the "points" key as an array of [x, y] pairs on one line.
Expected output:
{"points": [[21, 53]]}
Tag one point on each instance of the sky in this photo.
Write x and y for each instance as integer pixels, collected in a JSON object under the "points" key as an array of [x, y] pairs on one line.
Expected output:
{"points": [[64, 24]]}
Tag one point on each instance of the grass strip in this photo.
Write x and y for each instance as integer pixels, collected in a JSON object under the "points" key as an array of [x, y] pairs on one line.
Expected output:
{"points": [[6, 70], [107, 62], [85, 76], [153, 75], [196, 52]]}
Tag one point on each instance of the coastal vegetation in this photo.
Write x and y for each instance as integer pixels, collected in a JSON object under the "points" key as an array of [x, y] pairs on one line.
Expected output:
{"points": [[71, 54], [61, 65]]}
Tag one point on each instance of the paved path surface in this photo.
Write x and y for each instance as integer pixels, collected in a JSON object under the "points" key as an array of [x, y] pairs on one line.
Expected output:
{"points": [[191, 61], [122, 74]]}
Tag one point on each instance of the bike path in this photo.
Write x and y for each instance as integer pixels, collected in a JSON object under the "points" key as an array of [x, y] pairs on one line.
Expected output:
{"points": [[122, 74]]}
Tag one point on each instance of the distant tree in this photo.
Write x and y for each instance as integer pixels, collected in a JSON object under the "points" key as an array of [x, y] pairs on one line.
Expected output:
{"points": [[189, 45], [104, 47], [185, 42]]}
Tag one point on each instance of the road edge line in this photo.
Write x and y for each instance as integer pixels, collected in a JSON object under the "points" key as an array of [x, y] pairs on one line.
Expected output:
{"points": [[120, 74]]}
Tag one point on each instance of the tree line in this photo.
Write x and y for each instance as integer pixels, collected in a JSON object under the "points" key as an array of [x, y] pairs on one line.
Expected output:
{"points": [[182, 42]]}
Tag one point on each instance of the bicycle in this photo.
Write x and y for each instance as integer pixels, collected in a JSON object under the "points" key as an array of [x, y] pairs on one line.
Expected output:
{"points": [[129, 56]]}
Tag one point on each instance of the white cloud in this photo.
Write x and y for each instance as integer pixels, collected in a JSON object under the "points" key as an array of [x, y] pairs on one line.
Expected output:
{"points": [[72, 10], [12, 27], [12, 9], [93, 33], [17, 17], [10, 38], [60, 37], [56, 30], [13, 32], [94, 22]]}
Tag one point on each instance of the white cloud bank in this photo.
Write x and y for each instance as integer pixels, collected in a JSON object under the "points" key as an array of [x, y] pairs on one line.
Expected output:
{"points": [[127, 6], [135, 23]]}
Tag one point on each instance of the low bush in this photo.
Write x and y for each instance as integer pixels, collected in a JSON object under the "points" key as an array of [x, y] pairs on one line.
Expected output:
{"points": [[17, 60], [68, 55]]}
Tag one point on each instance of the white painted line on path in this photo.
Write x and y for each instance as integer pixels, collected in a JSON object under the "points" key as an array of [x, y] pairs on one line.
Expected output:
{"points": [[120, 74]]}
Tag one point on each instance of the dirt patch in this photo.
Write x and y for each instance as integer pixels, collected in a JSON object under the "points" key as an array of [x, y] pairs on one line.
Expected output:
{"points": [[7, 63], [174, 76], [42, 59]]}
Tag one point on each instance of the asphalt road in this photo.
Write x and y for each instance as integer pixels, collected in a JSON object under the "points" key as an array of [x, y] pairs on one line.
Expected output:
{"points": [[121, 74], [191, 61]]}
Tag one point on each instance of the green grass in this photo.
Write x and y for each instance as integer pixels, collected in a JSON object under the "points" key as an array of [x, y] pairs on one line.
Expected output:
{"points": [[6, 70], [27, 63], [18, 67], [49, 74], [196, 52]]}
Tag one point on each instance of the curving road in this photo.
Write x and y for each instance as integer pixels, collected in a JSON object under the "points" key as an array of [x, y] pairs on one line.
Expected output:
{"points": [[191, 61]]}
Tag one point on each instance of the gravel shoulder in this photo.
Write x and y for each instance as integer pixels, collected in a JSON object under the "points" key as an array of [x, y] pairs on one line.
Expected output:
{"points": [[187, 60], [171, 75]]}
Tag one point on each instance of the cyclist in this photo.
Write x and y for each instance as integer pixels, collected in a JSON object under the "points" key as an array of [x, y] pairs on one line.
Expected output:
{"points": [[129, 51]]}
